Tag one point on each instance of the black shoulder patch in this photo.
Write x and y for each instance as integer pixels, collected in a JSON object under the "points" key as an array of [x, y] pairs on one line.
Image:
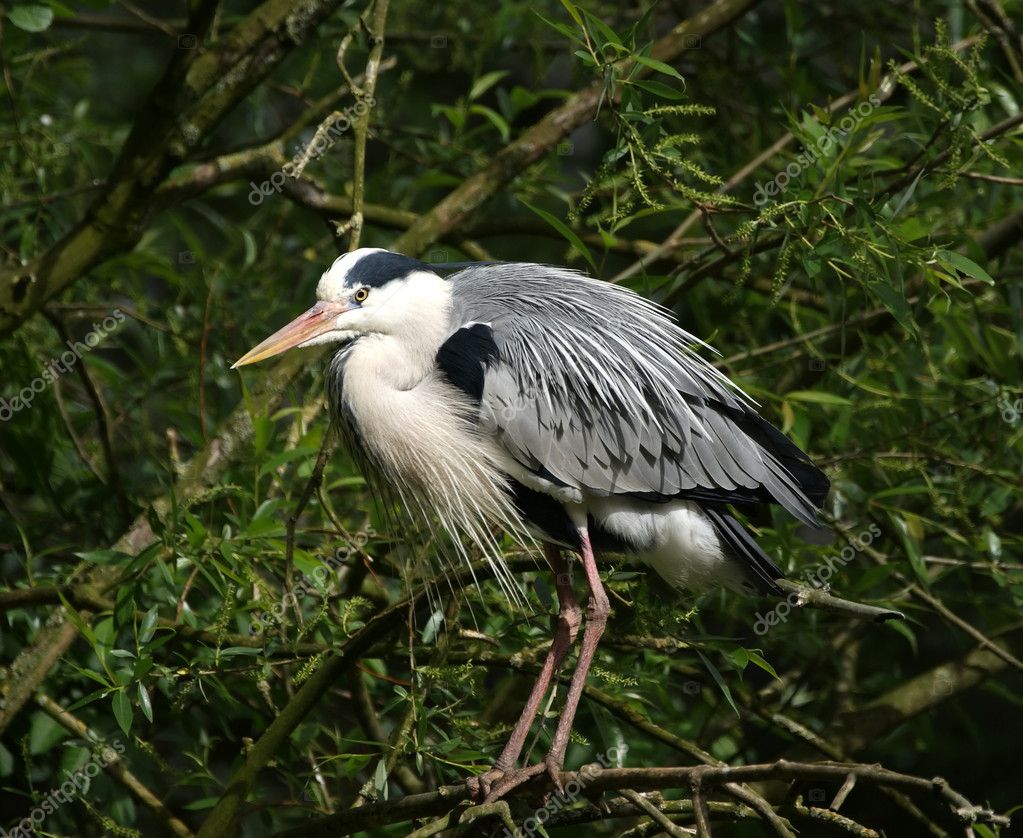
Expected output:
{"points": [[465, 356], [377, 269]]}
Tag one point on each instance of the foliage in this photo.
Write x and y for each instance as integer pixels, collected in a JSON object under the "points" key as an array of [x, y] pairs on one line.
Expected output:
{"points": [[863, 280]]}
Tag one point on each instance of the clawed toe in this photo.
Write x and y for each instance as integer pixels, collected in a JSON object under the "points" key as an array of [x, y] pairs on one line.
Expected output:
{"points": [[512, 780], [480, 785], [553, 770], [494, 784]]}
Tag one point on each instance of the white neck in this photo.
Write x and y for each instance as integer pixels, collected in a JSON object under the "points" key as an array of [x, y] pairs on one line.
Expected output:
{"points": [[419, 432], [410, 328]]}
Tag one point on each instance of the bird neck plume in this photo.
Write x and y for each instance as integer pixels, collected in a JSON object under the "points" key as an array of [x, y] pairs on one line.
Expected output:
{"points": [[416, 435]]}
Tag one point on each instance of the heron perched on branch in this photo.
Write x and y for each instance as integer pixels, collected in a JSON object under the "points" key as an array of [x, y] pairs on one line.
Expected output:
{"points": [[540, 401]]}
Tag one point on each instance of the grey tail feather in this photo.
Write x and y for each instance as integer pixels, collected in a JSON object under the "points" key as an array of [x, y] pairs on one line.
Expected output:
{"points": [[759, 567]]}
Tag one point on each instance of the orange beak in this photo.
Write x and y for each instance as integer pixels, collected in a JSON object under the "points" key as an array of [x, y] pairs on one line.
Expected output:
{"points": [[315, 322]]}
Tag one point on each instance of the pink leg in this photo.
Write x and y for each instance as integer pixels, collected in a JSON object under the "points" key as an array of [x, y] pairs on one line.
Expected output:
{"points": [[569, 620], [597, 611]]}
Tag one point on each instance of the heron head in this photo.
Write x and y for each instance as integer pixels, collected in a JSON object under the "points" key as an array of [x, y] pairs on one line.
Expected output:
{"points": [[367, 291]]}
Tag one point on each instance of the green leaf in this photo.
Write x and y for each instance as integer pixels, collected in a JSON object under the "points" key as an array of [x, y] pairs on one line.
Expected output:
{"points": [[148, 627], [758, 660], [902, 628], [31, 18], [103, 556], [573, 11], [564, 29], [380, 778], [485, 82], [909, 544], [251, 250], [495, 119], [202, 803], [454, 115], [278, 460], [725, 691], [610, 36], [966, 266], [817, 397], [658, 88], [895, 303], [76, 620], [145, 705], [260, 527], [660, 67], [900, 490], [585, 57], [234, 651], [912, 228], [122, 710], [739, 658], [570, 236]]}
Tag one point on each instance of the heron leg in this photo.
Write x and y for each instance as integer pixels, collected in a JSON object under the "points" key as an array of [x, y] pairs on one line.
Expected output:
{"points": [[597, 610], [568, 621]]}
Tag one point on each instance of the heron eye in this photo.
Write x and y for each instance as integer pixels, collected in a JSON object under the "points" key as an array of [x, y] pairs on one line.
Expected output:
{"points": [[360, 295]]}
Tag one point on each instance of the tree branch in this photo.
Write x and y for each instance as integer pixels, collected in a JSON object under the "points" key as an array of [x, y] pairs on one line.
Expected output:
{"points": [[819, 598], [453, 210], [199, 88], [116, 768], [594, 779], [29, 669]]}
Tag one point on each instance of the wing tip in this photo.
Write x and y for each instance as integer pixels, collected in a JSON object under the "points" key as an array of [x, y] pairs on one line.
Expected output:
{"points": [[759, 568]]}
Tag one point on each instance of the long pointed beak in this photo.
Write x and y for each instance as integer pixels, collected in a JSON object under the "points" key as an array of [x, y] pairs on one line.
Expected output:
{"points": [[315, 322]]}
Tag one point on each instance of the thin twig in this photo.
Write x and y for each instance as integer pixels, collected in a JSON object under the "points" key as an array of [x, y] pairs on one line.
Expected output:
{"points": [[819, 598], [360, 127], [657, 816], [700, 813], [100, 411], [312, 484], [885, 89], [116, 767], [843, 792], [834, 819], [1010, 181]]}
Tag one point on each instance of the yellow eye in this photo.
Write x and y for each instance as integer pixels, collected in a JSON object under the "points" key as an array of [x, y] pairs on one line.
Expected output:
{"points": [[360, 295]]}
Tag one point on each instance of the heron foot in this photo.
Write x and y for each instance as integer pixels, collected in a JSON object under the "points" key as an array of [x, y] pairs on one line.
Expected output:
{"points": [[480, 786], [508, 781]]}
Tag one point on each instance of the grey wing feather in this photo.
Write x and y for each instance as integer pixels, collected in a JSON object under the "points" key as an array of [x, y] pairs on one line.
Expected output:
{"points": [[596, 388]]}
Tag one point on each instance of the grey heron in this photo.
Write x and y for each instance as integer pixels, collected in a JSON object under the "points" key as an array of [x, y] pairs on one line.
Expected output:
{"points": [[557, 407]]}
